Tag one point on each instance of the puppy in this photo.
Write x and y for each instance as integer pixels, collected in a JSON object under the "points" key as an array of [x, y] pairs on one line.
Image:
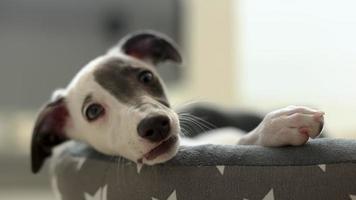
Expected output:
{"points": [[117, 104]]}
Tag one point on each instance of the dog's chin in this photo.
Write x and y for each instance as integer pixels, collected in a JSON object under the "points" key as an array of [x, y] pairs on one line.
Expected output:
{"points": [[163, 152]]}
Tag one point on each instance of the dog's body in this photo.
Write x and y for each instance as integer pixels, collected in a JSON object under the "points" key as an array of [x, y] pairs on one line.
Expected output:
{"points": [[117, 104]]}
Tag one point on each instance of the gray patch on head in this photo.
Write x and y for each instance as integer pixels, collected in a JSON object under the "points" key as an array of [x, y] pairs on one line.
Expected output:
{"points": [[121, 80]]}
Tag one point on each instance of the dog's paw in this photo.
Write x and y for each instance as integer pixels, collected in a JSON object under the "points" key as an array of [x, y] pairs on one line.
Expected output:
{"points": [[292, 125]]}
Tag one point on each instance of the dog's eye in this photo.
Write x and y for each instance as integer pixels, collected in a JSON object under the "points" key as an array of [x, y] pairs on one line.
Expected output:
{"points": [[94, 111], [145, 77]]}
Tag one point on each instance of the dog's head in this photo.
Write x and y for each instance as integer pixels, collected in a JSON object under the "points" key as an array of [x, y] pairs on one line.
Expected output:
{"points": [[116, 103]]}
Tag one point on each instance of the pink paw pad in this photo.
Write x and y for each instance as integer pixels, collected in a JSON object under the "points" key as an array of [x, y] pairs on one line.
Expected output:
{"points": [[304, 131]]}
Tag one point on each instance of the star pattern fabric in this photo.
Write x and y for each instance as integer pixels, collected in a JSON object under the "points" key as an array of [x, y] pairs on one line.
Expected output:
{"points": [[269, 195], [80, 163], [101, 194], [139, 167], [322, 167], [172, 196], [97, 177], [221, 169]]}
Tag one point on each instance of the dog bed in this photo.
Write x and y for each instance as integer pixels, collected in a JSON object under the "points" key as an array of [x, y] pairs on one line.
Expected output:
{"points": [[321, 169]]}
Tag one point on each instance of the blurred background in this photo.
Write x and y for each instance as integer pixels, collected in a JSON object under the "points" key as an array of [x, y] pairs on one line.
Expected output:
{"points": [[256, 55]]}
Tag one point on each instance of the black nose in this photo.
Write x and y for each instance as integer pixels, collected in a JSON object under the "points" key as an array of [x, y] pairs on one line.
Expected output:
{"points": [[154, 128]]}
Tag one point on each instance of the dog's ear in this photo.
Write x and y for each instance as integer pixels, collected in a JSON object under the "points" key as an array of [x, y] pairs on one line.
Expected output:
{"points": [[150, 46], [48, 132]]}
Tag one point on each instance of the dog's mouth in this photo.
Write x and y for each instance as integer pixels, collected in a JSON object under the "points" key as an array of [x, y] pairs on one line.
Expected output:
{"points": [[162, 148]]}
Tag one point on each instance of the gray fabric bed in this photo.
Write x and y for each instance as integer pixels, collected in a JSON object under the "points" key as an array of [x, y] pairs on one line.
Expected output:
{"points": [[321, 169]]}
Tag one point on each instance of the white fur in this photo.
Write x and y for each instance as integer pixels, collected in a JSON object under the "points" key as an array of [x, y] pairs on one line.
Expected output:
{"points": [[116, 132], [278, 128]]}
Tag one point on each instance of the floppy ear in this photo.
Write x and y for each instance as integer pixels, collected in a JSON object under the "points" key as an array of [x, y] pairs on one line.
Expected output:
{"points": [[150, 46], [48, 132]]}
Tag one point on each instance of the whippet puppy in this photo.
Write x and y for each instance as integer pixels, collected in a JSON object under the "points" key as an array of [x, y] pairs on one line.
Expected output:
{"points": [[117, 104]]}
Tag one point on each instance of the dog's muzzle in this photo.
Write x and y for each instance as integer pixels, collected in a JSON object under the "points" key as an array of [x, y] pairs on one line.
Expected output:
{"points": [[154, 128]]}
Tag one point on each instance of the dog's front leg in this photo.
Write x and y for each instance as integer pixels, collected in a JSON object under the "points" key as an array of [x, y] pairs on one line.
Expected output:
{"points": [[292, 125]]}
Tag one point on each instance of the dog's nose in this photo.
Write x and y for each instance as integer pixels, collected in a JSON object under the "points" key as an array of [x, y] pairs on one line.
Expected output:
{"points": [[154, 128]]}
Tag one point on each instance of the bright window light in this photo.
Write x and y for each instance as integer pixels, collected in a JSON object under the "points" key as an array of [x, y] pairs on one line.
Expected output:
{"points": [[299, 52]]}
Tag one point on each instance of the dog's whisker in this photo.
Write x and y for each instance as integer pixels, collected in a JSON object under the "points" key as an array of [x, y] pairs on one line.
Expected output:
{"points": [[207, 123], [190, 127], [186, 132], [200, 125], [183, 132], [192, 121], [204, 121], [198, 121]]}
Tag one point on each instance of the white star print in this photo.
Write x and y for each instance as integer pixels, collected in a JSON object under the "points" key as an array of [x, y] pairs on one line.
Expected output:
{"points": [[221, 169], [57, 194], [269, 195], [80, 163], [139, 167], [173, 196], [101, 194], [322, 167]]}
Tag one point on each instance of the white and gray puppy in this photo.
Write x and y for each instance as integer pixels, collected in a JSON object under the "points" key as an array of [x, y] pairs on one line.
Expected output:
{"points": [[117, 104]]}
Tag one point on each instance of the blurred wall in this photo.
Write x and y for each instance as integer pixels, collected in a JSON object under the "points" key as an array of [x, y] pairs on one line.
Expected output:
{"points": [[299, 53], [44, 43], [209, 49]]}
